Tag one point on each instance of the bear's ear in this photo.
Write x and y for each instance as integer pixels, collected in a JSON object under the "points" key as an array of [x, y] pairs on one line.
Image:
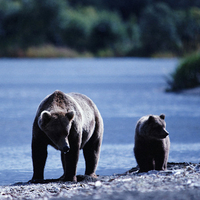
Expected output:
{"points": [[70, 115], [45, 117], [151, 119], [162, 116]]}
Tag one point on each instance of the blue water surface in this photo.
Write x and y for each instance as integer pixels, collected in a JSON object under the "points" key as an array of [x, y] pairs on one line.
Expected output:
{"points": [[123, 89]]}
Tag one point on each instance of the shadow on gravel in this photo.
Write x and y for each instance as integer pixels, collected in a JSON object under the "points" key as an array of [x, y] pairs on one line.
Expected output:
{"points": [[170, 166], [85, 178], [80, 178]]}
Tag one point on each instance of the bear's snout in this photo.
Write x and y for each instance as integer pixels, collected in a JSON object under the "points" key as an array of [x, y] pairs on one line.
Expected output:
{"points": [[166, 132], [66, 149]]}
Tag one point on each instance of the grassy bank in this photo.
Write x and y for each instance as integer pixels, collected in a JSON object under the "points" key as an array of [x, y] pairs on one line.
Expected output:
{"points": [[44, 51], [186, 75]]}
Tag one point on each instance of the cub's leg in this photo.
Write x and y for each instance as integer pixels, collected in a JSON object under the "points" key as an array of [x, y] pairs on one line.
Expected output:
{"points": [[145, 161], [161, 160]]}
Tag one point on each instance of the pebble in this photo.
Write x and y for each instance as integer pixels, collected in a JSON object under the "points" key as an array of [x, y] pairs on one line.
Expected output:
{"points": [[180, 181]]}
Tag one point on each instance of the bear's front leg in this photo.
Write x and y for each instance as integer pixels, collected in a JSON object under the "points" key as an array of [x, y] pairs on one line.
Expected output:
{"points": [[69, 162], [39, 155], [144, 160]]}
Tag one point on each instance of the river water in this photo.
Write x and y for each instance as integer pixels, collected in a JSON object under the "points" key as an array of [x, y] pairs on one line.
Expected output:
{"points": [[123, 89]]}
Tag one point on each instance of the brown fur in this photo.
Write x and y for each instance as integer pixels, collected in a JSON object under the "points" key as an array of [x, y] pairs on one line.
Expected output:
{"points": [[68, 122], [151, 143]]}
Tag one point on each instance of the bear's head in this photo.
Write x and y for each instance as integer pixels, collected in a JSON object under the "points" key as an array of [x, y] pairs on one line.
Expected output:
{"points": [[154, 127], [57, 127]]}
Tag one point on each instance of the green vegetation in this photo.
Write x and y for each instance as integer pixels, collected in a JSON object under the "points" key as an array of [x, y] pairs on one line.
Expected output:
{"points": [[99, 28], [187, 74]]}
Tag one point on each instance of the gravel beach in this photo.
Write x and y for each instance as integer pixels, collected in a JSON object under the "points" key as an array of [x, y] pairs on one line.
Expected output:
{"points": [[180, 181]]}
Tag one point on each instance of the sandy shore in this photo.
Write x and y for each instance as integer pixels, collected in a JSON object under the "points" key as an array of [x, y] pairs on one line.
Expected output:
{"points": [[180, 181]]}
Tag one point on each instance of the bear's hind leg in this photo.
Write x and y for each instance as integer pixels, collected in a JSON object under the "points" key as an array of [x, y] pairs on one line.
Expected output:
{"points": [[91, 153]]}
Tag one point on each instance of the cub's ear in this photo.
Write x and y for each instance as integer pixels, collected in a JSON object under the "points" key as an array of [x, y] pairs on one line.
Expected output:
{"points": [[70, 115], [162, 116], [44, 118], [151, 118]]}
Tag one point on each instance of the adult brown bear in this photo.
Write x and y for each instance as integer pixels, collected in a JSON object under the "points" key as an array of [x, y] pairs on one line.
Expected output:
{"points": [[151, 143], [68, 122]]}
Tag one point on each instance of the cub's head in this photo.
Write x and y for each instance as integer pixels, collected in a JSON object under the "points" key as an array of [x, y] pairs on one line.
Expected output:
{"points": [[57, 127], [153, 126]]}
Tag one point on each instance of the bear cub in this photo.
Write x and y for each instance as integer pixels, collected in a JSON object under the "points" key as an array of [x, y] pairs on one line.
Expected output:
{"points": [[152, 143], [68, 122]]}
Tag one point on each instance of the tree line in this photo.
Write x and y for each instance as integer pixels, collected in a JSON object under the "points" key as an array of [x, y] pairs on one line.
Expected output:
{"points": [[101, 28]]}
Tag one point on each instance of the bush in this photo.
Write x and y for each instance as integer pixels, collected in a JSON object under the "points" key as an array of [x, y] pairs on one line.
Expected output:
{"points": [[107, 32], [187, 74], [158, 30], [31, 22], [100, 32], [188, 28], [134, 46], [76, 27]]}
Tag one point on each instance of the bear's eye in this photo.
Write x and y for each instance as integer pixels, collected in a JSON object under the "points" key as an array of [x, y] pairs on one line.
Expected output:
{"points": [[157, 128]]}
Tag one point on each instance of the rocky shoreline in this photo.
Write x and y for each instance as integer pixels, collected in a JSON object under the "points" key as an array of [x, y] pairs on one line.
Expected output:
{"points": [[180, 181]]}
